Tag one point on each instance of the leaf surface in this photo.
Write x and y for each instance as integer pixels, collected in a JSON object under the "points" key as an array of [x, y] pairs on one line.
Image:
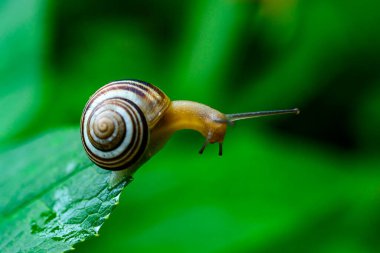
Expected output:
{"points": [[52, 197]]}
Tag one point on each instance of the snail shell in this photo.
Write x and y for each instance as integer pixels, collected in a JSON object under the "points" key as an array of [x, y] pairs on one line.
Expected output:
{"points": [[116, 122]]}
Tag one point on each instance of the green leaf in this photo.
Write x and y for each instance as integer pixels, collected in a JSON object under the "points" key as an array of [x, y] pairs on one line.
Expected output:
{"points": [[52, 196]]}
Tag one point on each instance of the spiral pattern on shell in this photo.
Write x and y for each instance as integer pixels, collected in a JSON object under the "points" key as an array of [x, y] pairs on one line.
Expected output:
{"points": [[116, 122]]}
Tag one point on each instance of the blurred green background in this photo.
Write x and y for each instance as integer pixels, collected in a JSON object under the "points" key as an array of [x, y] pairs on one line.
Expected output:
{"points": [[309, 183]]}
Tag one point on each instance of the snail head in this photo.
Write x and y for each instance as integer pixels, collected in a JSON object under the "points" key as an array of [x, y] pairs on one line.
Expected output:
{"points": [[216, 128]]}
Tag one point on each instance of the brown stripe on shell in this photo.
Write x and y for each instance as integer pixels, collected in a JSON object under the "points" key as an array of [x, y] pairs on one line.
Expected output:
{"points": [[129, 149], [151, 86], [94, 157], [156, 100], [146, 96], [159, 96], [135, 153], [131, 154], [141, 84], [120, 135]]}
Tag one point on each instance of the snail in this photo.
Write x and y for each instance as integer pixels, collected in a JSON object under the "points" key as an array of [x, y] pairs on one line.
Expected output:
{"points": [[126, 122]]}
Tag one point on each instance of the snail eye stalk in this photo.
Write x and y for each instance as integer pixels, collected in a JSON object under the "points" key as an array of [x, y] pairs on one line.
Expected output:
{"points": [[250, 115]]}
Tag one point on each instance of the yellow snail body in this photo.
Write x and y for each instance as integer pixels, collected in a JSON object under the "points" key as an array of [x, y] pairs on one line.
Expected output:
{"points": [[126, 122]]}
